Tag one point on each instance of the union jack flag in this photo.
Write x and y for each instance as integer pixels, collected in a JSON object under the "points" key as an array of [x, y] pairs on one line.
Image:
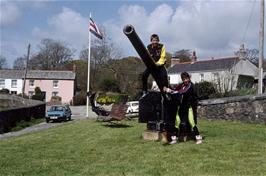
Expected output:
{"points": [[95, 30]]}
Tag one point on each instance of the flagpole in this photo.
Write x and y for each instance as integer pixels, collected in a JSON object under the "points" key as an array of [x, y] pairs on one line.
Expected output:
{"points": [[88, 79]]}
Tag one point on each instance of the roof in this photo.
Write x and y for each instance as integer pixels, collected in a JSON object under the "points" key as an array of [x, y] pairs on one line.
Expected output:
{"points": [[205, 65], [38, 74]]}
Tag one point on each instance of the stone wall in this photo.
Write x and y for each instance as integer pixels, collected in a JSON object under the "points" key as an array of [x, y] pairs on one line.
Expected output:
{"points": [[251, 108]]}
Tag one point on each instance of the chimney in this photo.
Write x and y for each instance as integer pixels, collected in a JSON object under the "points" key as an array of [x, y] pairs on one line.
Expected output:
{"points": [[194, 57], [242, 52], [74, 68], [174, 61]]}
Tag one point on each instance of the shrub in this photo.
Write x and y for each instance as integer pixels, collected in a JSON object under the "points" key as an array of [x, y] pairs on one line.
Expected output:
{"points": [[38, 94], [108, 99], [79, 99], [245, 82], [110, 85], [204, 89], [56, 99], [37, 91], [4, 91], [37, 97]]}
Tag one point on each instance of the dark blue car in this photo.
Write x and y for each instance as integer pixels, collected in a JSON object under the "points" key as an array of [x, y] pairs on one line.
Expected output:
{"points": [[58, 113]]}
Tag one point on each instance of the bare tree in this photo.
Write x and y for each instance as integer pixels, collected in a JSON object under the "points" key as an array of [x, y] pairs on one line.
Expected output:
{"points": [[184, 55], [251, 54], [3, 63], [20, 63], [102, 51], [52, 55]]}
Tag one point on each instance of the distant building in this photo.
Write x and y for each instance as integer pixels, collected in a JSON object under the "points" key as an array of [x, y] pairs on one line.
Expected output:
{"points": [[51, 83], [224, 72]]}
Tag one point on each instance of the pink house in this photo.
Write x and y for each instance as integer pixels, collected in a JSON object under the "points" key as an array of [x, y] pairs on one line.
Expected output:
{"points": [[51, 83]]}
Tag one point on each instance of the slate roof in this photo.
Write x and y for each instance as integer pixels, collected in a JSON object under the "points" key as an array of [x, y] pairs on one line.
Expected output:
{"points": [[204, 65], [38, 74]]}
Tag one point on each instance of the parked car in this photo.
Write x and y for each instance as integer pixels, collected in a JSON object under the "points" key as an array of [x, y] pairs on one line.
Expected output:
{"points": [[133, 107], [58, 113]]}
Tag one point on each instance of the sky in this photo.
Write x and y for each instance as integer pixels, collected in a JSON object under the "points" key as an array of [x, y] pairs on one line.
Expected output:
{"points": [[212, 28]]}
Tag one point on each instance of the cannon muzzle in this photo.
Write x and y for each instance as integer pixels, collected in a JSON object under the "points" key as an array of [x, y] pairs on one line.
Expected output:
{"points": [[130, 32]]}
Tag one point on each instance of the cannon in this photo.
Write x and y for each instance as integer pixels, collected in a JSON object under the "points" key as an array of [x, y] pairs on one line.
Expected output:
{"points": [[153, 109], [130, 32]]}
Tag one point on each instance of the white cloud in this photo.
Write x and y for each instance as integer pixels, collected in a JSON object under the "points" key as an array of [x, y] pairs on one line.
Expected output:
{"points": [[68, 26], [9, 14], [12, 11], [211, 28]]}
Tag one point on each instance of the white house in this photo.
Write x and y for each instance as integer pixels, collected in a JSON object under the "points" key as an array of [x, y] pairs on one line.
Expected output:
{"points": [[224, 72], [13, 82]]}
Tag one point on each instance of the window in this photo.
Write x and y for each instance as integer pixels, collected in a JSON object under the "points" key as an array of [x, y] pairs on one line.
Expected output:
{"points": [[55, 83], [2, 83], [54, 94], [13, 83], [31, 82], [30, 93], [201, 77], [13, 92], [215, 77]]}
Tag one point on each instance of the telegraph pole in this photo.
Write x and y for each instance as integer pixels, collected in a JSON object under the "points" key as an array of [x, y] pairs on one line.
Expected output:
{"points": [[26, 69], [261, 46]]}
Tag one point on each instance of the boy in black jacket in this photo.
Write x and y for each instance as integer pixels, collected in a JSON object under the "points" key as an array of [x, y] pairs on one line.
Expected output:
{"points": [[187, 111]]}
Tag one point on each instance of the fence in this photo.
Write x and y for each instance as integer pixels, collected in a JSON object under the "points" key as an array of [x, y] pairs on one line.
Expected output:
{"points": [[9, 118]]}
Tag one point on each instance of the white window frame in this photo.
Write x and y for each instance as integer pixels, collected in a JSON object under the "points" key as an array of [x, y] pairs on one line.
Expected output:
{"points": [[2, 83], [55, 83], [14, 85], [201, 77], [30, 93], [31, 83], [215, 77], [55, 93]]}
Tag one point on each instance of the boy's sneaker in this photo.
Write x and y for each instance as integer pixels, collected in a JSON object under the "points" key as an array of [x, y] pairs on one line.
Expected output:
{"points": [[198, 139], [174, 140]]}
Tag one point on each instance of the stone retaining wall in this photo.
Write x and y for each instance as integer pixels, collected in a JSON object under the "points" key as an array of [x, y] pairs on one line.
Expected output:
{"points": [[251, 108], [14, 109]]}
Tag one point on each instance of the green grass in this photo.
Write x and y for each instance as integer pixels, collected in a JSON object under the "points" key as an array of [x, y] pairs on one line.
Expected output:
{"points": [[24, 124], [93, 148]]}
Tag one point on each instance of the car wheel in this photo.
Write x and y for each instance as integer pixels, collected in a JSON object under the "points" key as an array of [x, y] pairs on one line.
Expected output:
{"points": [[47, 120], [69, 118]]}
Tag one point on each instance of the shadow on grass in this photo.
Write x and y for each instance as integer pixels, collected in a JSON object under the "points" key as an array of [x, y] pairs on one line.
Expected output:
{"points": [[116, 125]]}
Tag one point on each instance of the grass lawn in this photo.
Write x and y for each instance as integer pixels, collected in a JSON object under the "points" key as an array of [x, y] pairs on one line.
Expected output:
{"points": [[93, 148]]}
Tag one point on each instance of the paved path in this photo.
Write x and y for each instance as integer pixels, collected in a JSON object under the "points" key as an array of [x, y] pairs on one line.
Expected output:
{"points": [[78, 113]]}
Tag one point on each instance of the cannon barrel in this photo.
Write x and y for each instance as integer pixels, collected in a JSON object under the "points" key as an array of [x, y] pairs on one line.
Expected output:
{"points": [[130, 32]]}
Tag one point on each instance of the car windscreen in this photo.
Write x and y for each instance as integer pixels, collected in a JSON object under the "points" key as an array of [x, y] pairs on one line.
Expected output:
{"points": [[135, 104], [56, 108]]}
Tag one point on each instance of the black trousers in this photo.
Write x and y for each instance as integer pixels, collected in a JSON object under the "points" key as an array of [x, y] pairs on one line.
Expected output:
{"points": [[162, 75]]}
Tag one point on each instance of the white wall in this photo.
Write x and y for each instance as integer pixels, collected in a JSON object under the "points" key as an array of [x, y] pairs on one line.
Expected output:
{"points": [[244, 67], [224, 81], [18, 89], [195, 76]]}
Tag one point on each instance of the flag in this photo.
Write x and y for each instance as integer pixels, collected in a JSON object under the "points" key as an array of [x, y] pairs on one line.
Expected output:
{"points": [[95, 30]]}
